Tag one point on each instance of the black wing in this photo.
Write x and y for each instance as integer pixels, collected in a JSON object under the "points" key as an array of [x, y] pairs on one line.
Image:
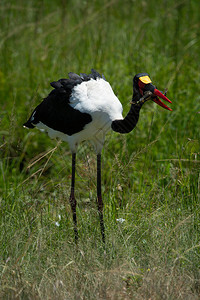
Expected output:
{"points": [[55, 111]]}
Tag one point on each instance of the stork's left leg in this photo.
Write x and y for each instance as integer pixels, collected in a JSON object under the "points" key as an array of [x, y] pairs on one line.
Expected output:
{"points": [[72, 199], [99, 196]]}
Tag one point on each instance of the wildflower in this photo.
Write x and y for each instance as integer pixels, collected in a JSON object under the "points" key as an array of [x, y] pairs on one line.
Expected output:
{"points": [[120, 220], [119, 187]]}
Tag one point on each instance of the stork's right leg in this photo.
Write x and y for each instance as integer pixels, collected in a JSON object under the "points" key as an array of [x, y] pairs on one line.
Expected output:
{"points": [[72, 199]]}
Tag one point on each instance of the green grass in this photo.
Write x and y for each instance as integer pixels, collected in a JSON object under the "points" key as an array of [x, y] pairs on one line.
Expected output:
{"points": [[150, 177]]}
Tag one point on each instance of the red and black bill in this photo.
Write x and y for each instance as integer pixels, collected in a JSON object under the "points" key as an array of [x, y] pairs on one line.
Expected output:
{"points": [[144, 84]]}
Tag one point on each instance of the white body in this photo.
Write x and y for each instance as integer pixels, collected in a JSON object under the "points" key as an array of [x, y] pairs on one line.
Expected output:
{"points": [[96, 98]]}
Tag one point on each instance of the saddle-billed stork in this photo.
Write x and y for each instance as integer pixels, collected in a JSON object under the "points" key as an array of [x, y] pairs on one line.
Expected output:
{"points": [[84, 108]]}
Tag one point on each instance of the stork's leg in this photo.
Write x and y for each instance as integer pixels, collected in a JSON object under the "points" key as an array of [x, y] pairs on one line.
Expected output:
{"points": [[99, 196], [72, 199]]}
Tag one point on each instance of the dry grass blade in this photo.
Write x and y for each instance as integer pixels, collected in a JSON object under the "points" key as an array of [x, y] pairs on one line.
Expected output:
{"points": [[178, 160], [52, 152], [44, 155], [3, 145]]}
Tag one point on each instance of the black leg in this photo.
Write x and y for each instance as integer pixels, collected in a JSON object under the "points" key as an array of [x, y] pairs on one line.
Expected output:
{"points": [[72, 199], [99, 197]]}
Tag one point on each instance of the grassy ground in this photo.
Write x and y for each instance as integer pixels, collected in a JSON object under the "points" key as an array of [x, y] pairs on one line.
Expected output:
{"points": [[150, 176]]}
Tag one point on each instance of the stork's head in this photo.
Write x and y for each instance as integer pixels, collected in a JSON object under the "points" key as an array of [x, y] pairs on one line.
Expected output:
{"points": [[144, 90]]}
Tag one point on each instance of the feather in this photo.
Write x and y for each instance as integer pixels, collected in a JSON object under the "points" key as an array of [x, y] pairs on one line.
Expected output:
{"points": [[73, 76], [95, 74], [84, 76], [104, 77], [56, 84]]}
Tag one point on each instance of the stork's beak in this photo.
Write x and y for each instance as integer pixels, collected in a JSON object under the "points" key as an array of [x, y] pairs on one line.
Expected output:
{"points": [[157, 94], [145, 85]]}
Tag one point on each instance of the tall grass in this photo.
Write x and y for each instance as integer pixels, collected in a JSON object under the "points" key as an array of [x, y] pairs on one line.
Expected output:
{"points": [[150, 177]]}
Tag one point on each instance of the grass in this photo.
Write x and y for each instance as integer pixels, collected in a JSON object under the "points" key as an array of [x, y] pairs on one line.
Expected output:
{"points": [[150, 177]]}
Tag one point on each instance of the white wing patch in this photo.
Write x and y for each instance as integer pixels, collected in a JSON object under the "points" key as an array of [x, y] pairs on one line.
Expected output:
{"points": [[96, 96]]}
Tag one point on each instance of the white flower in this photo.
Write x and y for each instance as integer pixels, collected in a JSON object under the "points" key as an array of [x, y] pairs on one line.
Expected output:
{"points": [[57, 222], [119, 187], [120, 220]]}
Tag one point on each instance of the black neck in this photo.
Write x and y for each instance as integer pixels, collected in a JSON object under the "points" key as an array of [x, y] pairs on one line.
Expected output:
{"points": [[130, 121]]}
